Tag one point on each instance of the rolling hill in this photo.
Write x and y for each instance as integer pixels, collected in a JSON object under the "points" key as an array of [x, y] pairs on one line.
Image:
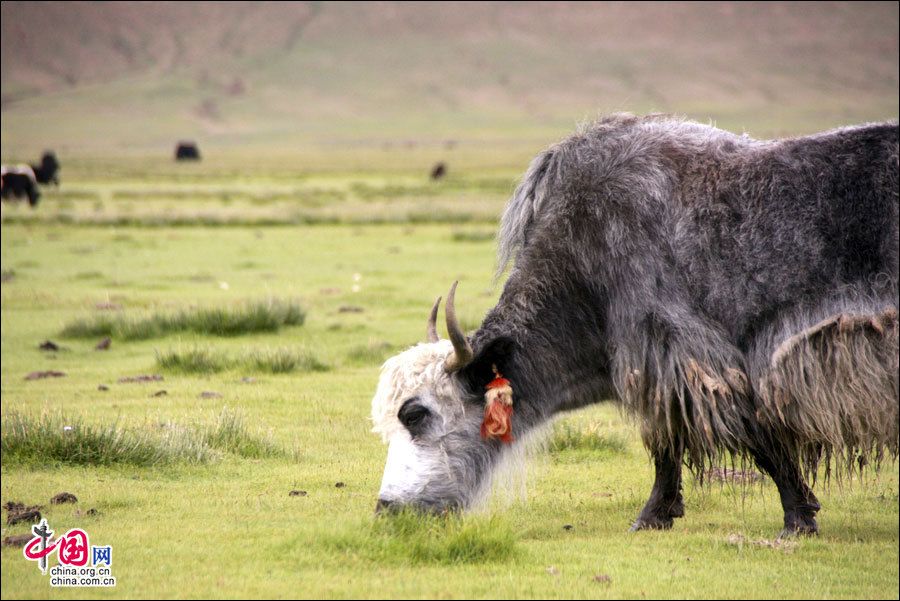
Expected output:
{"points": [[122, 77]]}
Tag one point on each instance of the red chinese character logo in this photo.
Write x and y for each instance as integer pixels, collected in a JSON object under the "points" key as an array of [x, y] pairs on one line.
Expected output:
{"points": [[32, 553], [72, 549]]}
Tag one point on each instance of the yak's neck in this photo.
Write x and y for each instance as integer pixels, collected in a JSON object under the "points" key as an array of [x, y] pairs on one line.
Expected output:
{"points": [[558, 360]]}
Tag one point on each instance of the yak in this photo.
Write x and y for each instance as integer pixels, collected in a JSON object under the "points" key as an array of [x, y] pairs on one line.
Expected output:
{"points": [[187, 151], [438, 171], [48, 171], [737, 297], [17, 181]]}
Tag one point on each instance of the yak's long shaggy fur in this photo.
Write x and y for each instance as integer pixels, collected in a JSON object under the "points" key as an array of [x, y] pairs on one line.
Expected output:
{"points": [[716, 284]]}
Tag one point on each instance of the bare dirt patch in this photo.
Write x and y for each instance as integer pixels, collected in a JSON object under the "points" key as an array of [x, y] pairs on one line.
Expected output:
{"points": [[779, 544], [141, 378], [42, 375]]}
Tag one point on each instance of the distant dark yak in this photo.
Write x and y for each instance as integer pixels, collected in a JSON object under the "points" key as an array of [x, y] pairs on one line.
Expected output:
{"points": [[737, 297], [48, 171], [19, 181], [438, 171], [187, 151]]}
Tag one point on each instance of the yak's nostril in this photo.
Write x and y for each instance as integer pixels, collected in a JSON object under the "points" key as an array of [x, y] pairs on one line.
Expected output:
{"points": [[384, 506]]}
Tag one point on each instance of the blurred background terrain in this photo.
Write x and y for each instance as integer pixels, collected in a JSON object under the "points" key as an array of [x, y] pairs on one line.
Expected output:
{"points": [[112, 78]]}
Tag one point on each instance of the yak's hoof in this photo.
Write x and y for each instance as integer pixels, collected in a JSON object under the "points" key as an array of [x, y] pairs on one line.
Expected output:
{"points": [[799, 530], [659, 517], [799, 525], [652, 523], [789, 533]]}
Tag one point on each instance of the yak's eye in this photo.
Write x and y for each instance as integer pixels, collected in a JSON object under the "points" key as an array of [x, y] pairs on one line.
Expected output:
{"points": [[413, 415]]}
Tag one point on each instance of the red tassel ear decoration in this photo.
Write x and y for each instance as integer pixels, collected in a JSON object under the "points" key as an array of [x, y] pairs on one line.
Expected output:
{"points": [[498, 409]]}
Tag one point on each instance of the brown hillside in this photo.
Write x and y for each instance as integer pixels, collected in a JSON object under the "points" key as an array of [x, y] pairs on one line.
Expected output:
{"points": [[240, 71]]}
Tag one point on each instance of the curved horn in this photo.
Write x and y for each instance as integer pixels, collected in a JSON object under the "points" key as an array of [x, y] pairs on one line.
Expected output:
{"points": [[432, 322], [462, 351]]}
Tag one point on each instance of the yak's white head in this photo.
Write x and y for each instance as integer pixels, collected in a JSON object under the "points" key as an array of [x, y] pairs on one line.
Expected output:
{"points": [[437, 459]]}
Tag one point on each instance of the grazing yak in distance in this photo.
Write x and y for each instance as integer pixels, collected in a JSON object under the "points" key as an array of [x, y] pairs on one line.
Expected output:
{"points": [[438, 171], [48, 171], [187, 151], [17, 181], [736, 296]]}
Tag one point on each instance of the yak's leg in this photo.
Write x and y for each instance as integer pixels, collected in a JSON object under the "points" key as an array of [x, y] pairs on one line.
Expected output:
{"points": [[665, 503], [798, 501]]}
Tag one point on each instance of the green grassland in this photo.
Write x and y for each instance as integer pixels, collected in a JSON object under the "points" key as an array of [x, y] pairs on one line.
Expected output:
{"points": [[191, 487], [343, 187]]}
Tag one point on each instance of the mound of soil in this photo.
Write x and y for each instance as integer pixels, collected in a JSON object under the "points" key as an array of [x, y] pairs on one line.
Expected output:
{"points": [[141, 378], [41, 375], [63, 497], [19, 540], [28, 514]]}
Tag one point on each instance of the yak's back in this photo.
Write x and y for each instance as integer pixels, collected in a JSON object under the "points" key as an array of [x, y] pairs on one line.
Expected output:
{"points": [[758, 265], [620, 159]]}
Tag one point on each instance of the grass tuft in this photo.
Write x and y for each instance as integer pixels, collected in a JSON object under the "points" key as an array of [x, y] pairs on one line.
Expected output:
{"points": [[280, 361], [230, 434], [249, 318], [193, 361], [209, 361], [374, 352], [567, 437], [412, 538], [54, 439], [94, 327], [51, 439]]}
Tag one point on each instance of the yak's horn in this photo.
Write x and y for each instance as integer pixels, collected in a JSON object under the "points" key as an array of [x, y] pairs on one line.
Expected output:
{"points": [[432, 322], [462, 351]]}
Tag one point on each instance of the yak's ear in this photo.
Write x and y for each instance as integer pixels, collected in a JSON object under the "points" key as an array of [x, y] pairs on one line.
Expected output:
{"points": [[476, 375]]}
